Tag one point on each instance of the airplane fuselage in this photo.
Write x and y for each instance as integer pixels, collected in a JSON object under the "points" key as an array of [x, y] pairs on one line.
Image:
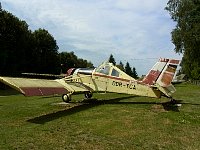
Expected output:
{"points": [[118, 82]]}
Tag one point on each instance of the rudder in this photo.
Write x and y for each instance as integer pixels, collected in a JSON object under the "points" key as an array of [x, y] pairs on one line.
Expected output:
{"points": [[161, 76]]}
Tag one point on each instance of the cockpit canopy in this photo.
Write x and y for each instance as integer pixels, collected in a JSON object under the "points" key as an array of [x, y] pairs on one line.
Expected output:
{"points": [[109, 69], [104, 69]]}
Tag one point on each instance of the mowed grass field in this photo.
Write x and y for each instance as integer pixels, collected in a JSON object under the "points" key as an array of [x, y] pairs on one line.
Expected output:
{"points": [[110, 121]]}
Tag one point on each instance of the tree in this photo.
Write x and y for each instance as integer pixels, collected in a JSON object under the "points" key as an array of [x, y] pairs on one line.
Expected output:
{"points": [[70, 60], [134, 75], [45, 52], [121, 66], [131, 72], [22, 50], [14, 44], [186, 35], [128, 69], [112, 60]]}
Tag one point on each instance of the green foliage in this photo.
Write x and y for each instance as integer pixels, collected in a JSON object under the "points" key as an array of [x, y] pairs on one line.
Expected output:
{"points": [[195, 73], [22, 50], [128, 69], [186, 35], [70, 60], [135, 75], [45, 52], [131, 72], [14, 44], [112, 59], [121, 66]]}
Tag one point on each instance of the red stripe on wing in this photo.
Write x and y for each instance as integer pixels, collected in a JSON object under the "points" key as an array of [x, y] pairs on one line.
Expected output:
{"points": [[43, 91]]}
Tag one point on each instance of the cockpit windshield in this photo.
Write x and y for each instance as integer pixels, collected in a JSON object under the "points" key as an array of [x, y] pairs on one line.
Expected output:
{"points": [[115, 73], [103, 69]]}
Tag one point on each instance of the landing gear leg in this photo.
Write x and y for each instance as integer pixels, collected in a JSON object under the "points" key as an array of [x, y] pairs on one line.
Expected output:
{"points": [[66, 98]]}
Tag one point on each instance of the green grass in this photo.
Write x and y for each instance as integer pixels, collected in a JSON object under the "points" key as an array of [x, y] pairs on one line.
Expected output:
{"points": [[114, 121]]}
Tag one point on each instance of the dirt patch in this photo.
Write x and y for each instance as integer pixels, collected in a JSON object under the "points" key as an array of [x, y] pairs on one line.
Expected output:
{"points": [[157, 108]]}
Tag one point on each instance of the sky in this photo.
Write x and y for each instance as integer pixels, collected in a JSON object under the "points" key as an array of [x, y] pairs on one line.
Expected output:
{"points": [[134, 31]]}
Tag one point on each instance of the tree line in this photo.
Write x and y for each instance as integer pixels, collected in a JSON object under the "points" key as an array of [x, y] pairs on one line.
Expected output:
{"points": [[23, 50], [186, 35], [127, 68]]}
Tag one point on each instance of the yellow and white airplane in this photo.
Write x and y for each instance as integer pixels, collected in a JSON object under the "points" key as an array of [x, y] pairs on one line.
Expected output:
{"points": [[105, 78]]}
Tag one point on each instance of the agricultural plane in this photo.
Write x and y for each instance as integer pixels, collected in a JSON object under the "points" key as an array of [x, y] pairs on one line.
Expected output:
{"points": [[105, 78]]}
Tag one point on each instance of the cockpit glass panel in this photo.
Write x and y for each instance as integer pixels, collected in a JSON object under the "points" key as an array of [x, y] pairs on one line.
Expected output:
{"points": [[103, 69], [115, 73]]}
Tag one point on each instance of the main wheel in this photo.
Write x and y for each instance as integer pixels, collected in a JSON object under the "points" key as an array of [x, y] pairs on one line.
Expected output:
{"points": [[66, 97], [88, 95], [173, 101]]}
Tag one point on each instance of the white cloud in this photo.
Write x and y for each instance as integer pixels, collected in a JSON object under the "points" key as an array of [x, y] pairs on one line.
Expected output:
{"points": [[96, 28]]}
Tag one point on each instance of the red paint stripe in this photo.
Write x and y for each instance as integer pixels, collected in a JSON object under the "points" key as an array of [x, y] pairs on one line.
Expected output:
{"points": [[120, 79], [173, 61], [43, 91], [111, 77], [151, 77]]}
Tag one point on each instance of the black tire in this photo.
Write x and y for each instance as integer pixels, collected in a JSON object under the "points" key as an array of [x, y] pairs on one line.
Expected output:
{"points": [[66, 98], [88, 95], [173, 101]]}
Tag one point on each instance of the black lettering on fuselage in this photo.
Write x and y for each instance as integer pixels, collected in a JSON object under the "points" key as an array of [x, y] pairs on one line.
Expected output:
{"points": [[115, 83], [119, 84], [131, 86]]}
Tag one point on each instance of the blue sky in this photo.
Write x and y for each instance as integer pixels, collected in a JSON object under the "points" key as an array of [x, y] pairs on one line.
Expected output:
{"points": [[137, 31]]}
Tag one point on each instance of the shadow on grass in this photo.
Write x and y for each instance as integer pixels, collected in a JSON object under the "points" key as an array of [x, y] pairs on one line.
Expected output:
{"points": [[55, 115], [87, 104], [190, 104], [8, 92], [168, 106]]}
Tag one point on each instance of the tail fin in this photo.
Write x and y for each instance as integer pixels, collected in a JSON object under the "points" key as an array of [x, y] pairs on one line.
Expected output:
{"points": [[162, 74], [168, 73]]}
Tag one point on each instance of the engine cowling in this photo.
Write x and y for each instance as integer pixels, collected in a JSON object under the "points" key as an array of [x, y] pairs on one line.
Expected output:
{"points": [[75, 71]]}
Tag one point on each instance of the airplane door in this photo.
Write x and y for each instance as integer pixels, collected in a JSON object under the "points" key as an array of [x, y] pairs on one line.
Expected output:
{"points": [[100, 78], [100, 82], [117, 84]]}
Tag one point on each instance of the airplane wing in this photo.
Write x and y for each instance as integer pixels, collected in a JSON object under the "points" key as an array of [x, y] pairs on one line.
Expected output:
{"points": [[42, 87]]}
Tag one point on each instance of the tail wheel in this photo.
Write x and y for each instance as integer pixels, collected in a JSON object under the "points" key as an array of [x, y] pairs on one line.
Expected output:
{"points": [[66, 97], [88, 95]]}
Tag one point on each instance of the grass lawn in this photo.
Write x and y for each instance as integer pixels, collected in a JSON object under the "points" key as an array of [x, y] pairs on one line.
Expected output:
{"points": [[114, 121]]}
